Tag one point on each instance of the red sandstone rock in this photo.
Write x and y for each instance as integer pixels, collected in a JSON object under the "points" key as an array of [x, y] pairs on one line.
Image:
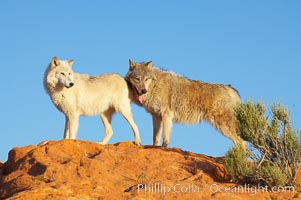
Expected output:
{"points": [[85, 170]]}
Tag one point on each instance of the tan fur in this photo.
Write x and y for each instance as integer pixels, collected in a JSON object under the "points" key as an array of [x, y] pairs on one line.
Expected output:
{"points": [[173, 98], [80, 94]]}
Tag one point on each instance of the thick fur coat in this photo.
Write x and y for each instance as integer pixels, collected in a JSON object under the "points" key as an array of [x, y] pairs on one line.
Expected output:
{"points": [[80, 94], [172, 98]]}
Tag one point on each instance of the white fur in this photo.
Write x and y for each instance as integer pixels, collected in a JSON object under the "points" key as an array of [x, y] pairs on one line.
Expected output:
{"points": [[79, 94]]}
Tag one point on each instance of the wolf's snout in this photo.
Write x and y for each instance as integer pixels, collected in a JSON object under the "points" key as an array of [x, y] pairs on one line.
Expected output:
{"points": [[70, 85], [143, 91]]}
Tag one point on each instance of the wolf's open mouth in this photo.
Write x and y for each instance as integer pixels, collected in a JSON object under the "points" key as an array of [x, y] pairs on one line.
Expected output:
{"points": [[141, 97]]}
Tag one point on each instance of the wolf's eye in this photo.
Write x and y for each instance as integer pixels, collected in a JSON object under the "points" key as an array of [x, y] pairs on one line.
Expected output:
{"points": [[137, 79], [69, 74], [63, 73]]}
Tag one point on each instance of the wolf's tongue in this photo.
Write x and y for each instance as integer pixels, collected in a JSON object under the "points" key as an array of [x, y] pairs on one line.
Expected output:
{"points": [[142, 98]]}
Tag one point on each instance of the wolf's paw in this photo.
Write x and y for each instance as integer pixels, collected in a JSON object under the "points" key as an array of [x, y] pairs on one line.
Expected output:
{"points": [[165, 144], [156, 144], [137, 142], [102, 143]]}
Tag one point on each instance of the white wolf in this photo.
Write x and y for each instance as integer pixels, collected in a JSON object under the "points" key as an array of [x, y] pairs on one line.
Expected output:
{"points": [[80, 94]]}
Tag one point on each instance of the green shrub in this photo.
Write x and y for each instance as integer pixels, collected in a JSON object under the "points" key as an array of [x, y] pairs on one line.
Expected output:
{"points": [[237, 165], [274, 154]]}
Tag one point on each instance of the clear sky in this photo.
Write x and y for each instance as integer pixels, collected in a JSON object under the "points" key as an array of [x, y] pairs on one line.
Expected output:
{"points": [[253, 45]]}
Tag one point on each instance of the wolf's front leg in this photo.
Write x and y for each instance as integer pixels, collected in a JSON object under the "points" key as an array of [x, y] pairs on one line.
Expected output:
{"points": [[157, 130], [167, 125], [67, 125], [73, 126]]}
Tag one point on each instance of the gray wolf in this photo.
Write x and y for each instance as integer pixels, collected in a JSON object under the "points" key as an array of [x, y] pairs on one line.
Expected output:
{"points": [[169, 98], [80, 94]]}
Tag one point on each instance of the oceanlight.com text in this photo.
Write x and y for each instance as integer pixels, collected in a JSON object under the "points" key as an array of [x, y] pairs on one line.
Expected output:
{"points": [[212, 188], [251, 189]]}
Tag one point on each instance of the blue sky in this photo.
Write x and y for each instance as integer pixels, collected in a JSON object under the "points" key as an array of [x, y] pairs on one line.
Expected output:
{"points": [[253, 45]]}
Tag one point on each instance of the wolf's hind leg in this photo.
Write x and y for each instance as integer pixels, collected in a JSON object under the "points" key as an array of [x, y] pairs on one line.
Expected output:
{"points": [[127, 114], [106, 119], [238, 141], [157, 130], [229, 128]]}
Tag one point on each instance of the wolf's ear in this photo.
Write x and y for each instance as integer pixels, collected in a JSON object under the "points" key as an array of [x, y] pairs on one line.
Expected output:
{"points": [[55, 61], [149, 64], [70, 62], [132, 65]]}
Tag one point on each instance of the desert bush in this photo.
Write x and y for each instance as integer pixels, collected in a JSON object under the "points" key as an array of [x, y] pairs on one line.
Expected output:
{"points": [[273, 156]]}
